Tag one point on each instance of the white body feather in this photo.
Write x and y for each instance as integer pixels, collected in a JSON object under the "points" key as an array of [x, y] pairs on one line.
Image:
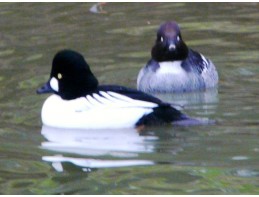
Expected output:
{"points": [[171, 77], [97, 111], [171, 68]]}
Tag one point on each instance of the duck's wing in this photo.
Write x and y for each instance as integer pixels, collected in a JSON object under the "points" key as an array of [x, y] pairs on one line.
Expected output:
{"points": [[154, 111], [131, 93], [161, 112], [195, 62]]}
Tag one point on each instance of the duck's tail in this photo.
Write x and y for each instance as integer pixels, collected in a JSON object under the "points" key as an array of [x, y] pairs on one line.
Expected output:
{"points": [[166, 115]]}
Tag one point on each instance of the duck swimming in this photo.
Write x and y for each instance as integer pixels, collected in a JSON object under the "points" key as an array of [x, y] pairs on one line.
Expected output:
{"points": [[78, 101], [174, 67]]}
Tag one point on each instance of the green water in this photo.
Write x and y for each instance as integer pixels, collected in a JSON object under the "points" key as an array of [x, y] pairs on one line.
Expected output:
{"points": [[116, 42]]}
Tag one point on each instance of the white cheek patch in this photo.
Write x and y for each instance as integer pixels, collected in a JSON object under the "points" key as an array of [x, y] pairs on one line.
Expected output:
{"points": [[54, 84]]}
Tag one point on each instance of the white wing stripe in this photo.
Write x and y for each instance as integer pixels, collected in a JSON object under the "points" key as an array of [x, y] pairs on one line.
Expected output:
{"points": [[87, 103], [204, 60], [121, 97], [112, 99], [133, 102], [102, 99], [115, 100], [93, 101]]}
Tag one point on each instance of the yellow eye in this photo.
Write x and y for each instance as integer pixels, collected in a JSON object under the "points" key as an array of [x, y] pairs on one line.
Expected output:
{"points": [[59, 76]]}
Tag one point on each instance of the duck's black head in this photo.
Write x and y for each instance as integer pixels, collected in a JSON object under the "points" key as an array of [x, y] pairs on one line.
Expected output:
{"points": [[169, 45], [70, 76]]}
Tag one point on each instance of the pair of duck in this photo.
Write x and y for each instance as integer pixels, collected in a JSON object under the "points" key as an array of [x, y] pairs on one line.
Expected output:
{"points": [[79, 102]]}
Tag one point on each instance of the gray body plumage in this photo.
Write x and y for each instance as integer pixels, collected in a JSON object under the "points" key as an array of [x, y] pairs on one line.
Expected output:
{"points": [[174, 67], [174, 77]]}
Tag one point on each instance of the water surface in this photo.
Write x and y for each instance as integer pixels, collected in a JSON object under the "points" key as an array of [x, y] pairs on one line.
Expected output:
{"points": [[116, 39]]}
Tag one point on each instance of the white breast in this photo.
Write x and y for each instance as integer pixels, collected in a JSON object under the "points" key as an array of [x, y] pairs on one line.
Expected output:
{"points": [[107, 110], [170, 68]]}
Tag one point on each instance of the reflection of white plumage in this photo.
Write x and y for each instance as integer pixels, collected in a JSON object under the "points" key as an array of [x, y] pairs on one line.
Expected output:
{"points": [[86, 163], [93, 142], [125, 145]]}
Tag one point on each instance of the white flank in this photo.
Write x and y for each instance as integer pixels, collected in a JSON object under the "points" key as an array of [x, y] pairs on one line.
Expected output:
{"points": [[107, 110]]}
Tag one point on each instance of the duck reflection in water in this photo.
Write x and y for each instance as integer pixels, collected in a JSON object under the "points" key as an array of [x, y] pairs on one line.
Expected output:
{"points": [[123, 145]]}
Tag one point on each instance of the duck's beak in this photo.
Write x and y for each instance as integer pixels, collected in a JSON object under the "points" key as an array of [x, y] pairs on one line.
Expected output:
{"points": [[171, 44], [45, 89], [171, 47]]}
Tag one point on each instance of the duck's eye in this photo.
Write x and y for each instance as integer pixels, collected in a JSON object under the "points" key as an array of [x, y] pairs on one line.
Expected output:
{"points": [[178, 38], [162, 39], [60, 76]]}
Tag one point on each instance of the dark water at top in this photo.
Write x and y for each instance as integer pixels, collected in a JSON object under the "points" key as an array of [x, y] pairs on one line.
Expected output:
{"points": [[116, 40]]}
